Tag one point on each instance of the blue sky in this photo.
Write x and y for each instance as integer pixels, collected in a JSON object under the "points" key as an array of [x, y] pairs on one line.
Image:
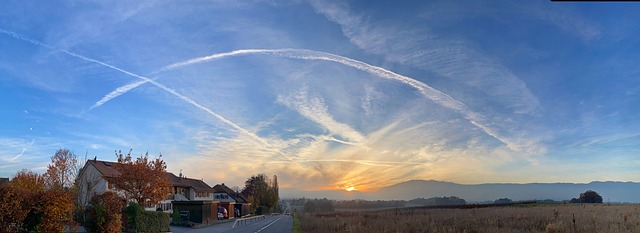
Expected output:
{"points": [[327, 94]]}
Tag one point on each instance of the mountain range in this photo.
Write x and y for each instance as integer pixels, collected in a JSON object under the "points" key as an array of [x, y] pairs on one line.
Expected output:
{"points": [[611, 191]]}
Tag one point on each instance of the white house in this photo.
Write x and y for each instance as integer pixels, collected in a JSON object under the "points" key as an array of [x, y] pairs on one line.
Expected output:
{"points": [[93, 180]]}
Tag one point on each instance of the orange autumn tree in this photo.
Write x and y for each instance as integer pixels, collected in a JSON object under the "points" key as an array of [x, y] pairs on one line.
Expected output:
{"points": [[62, 171], [28, 205], [143, 180]]}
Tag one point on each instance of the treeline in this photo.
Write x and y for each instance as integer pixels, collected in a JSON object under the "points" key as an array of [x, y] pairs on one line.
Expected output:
{"points": [[324, 205], [436, 201]]}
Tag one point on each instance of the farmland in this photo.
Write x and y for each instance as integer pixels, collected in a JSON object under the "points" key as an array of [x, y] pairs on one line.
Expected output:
{"points": [[526, 218]]}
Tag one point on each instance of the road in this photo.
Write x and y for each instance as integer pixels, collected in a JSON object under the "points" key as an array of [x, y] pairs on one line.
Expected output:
{"points": [[271, 224]]}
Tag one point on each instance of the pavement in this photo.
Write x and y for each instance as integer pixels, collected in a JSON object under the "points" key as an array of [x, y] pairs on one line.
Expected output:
{"points": [[271, 224]]}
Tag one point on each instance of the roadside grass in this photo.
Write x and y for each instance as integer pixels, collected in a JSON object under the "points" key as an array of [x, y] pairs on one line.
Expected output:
{"points": [[534, 218], [297, 225]]}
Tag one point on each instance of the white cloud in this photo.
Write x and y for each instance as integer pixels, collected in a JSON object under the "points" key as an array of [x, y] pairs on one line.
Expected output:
{"points": [[314, 108]]}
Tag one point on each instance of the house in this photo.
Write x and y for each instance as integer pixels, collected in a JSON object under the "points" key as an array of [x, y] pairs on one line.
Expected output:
{"points": [[192, 198], [4, 181], [93, 179], [234, 201]]}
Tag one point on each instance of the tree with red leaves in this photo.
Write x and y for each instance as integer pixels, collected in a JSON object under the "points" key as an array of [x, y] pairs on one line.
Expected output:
{"points": [[142, 180]]}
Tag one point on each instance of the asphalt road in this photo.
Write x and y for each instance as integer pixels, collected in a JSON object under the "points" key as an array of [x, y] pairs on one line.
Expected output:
{"points": [[271, 224]]}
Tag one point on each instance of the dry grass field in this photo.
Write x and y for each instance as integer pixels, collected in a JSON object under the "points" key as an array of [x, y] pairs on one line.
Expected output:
{"points": [[532, 218]]}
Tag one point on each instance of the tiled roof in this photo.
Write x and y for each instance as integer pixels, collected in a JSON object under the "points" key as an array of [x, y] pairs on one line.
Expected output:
{"points": [[221, 188], [198, 185], [104, 167]]}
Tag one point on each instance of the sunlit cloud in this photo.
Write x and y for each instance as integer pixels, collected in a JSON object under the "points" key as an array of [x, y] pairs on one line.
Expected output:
{"points": [[328, 95]]}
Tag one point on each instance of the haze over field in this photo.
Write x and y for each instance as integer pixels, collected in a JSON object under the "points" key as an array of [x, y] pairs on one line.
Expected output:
{"points": [[328, 95]]}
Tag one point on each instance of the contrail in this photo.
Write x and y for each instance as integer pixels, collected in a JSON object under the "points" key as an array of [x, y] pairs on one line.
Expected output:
{"points": [[437, 96], [23, 150], [117, 92], [163, 87]]}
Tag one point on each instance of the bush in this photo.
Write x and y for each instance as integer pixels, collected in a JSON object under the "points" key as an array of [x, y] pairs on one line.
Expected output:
{"points": [[176, 217], [590, 197], [139, 220], [105, 213]]}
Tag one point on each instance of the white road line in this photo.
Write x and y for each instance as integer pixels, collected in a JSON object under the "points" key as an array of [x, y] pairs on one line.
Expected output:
{"points": [[265, 227]]}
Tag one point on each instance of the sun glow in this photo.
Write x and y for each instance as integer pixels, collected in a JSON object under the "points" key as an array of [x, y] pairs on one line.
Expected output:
{"points": [[350, 188]]}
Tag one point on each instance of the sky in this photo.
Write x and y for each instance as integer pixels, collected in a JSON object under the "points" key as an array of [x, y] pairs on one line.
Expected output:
{"points": [[327, 95]]}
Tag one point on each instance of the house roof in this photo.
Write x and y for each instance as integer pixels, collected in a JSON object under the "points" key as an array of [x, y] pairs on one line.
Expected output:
{"points": [[104, 167], [107, 169], [198, 185], [221, 188], [4, 180]]}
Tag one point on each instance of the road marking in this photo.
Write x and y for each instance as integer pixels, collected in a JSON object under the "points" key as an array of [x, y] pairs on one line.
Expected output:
{"points": [[265, 227]]}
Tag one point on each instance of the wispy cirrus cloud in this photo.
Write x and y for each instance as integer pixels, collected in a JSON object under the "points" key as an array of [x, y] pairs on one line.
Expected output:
{"points": [[314, 108], [449, 57]]}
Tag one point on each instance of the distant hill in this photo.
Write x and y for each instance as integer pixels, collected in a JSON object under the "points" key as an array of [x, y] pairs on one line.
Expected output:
{"points": [[611, 191]]}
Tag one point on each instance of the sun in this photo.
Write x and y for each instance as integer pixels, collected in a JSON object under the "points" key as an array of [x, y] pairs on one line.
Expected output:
{"points": [[350, 188]]}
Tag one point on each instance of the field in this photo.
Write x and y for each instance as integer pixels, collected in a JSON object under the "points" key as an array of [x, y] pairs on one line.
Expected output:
{"points": [[528, 218]]}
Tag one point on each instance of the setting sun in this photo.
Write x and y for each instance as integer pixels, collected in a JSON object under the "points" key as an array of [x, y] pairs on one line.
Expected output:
{"points": [[350, 188]]}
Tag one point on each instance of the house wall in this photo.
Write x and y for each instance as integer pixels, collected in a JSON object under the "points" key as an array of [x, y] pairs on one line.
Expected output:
{"points": [[223, 197], [209, 197], [91, 183], [198, 211]]}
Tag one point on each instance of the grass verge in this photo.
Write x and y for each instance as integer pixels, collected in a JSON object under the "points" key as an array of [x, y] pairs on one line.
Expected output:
{"points": [[297, 225]]}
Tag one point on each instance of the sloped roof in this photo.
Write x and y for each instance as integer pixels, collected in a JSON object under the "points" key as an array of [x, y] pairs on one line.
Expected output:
{"points": [[221, 188], [104, 167], [107, 169], [198, 185]]}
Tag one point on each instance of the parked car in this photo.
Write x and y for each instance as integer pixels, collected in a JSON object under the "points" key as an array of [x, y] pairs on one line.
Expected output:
{"points": [[222, 213]]}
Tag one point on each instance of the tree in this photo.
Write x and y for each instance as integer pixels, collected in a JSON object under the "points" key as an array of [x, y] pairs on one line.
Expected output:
{"points": [[142, 180], [14, 210], [62, 171], [262, 190], [55, 209], [28, 205], [574, 200], [590, 196]]}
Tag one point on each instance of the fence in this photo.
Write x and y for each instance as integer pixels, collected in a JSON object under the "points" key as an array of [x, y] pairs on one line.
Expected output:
{"points": [[245, 221]]}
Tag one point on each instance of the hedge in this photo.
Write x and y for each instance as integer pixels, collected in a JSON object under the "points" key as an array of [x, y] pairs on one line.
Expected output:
{"points": [[139, 220]]}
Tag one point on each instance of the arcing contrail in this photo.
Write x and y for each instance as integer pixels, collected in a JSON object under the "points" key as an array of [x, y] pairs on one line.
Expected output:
{"points": [[24, 150], [439, 97], [145, 79]]}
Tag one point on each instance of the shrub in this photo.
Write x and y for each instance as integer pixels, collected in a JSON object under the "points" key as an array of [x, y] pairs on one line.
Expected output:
{"points": [[153, 221], [176, 217], [139, 220], [104, 214]]}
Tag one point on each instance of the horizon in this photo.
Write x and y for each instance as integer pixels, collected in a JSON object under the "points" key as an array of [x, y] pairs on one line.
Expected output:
{"points": [[351, 96]]}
